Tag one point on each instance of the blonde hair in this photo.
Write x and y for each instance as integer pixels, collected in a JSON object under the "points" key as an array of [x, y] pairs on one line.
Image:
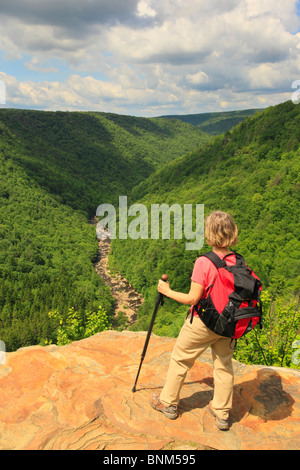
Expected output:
{"points": [[220, 230]]}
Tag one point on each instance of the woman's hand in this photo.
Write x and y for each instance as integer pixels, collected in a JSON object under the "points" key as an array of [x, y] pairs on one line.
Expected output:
{"points": [[192, 298], [163, 287]]}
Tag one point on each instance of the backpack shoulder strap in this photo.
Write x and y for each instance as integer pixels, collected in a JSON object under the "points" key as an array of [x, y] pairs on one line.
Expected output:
{"points": [[240, 261], [218, 262], [221, 263]]}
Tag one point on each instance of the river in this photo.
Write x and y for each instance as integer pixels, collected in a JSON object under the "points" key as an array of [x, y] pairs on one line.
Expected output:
{"points": [[127, 300]]}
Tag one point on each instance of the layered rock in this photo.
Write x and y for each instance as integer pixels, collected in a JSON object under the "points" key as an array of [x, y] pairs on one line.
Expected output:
{"points": [[80, 396]]}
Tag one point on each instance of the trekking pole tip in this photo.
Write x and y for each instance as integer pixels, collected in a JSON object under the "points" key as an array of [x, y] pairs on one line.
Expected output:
{"points": [[134, 389]]}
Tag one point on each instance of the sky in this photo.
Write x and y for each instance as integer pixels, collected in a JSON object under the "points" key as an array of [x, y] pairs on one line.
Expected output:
{"points": [[148, 57]]}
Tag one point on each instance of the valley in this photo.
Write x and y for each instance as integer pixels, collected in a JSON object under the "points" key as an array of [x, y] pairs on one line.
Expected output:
{"points": [[58, 167]]}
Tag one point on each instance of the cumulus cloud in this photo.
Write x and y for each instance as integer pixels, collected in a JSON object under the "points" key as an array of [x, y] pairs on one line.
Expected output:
{"points": [[145, 10], [75, 93], [199, 78], [154, 56], [69, 14]]}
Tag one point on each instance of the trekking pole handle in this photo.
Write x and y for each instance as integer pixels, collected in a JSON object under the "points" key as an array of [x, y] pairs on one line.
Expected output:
{"points": [[160, 296], [159, 300]]}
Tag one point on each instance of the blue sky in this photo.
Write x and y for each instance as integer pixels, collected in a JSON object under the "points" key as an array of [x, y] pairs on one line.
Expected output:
{"points": [[149, 57]]}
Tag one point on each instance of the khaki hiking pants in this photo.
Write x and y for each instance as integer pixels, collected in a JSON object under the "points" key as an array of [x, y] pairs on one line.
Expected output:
{"points": [[193, 340]]}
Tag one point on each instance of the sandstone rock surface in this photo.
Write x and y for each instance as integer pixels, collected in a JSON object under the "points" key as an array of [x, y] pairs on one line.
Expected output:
{"points": [[80, 396]]}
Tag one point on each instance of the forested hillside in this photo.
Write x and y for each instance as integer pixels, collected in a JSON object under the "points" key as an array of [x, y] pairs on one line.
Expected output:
{"points": [[85, 159], [216, 123], [55, 169], [251, 172]]}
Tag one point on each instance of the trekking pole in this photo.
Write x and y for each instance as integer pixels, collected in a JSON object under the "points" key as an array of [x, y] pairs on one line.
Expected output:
{"points": [[159, 300]]}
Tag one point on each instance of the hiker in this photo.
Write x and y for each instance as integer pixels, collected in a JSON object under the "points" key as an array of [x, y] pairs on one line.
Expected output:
{"points": [[194, 338]]}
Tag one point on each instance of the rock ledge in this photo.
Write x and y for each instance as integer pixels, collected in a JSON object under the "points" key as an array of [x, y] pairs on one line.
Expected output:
{"points": [[80, 396]]}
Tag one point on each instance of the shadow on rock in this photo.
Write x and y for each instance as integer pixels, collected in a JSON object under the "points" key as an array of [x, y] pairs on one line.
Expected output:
{"points": [[263, 396]]}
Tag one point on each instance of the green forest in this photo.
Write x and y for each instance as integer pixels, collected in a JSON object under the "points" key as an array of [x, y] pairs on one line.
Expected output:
{"points": [[252, 172], [56, 168]]}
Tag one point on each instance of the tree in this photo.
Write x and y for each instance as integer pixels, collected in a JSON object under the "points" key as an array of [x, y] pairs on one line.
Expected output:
{"points": [[73, 326]]}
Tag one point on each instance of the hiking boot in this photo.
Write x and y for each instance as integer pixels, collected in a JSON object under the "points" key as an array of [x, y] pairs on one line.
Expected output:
{"points": [[222, 424], [169, 411]]}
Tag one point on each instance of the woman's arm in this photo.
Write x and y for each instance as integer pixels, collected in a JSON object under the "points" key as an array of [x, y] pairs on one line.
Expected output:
{"points": [[192, 298]]}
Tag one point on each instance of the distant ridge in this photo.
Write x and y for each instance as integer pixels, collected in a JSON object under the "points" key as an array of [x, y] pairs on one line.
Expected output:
{"points": [[215, 123]]}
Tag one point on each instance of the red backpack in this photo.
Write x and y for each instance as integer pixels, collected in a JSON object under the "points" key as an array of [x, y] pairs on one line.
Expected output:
{"points": [[232, 306]]}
